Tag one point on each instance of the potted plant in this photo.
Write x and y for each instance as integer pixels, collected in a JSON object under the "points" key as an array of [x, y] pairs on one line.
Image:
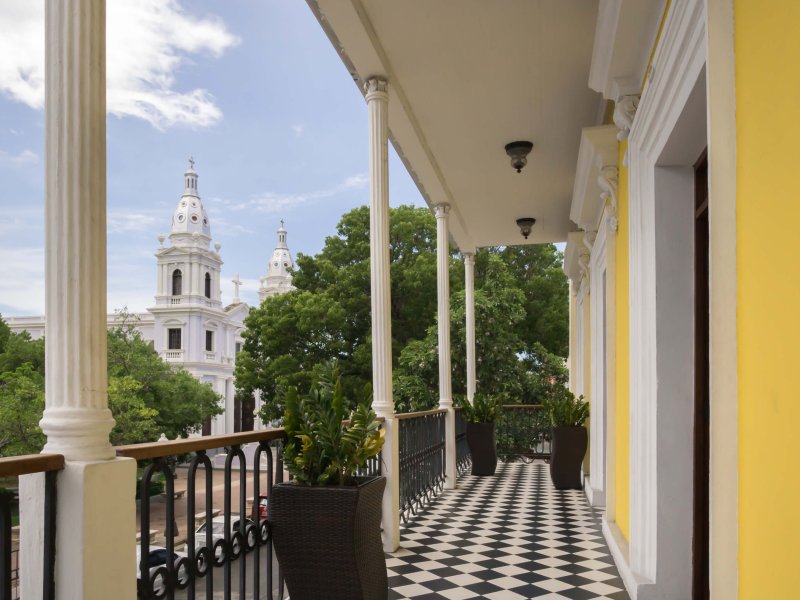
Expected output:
{"points": [[326, 522], [569, 438], [480, 416]]}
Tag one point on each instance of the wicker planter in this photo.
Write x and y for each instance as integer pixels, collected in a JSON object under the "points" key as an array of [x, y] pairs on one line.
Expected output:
{"points": [[482, 447], [328, 540], [568, 449]]}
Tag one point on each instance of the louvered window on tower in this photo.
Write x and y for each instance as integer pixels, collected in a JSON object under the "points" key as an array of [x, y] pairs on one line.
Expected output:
{"points": [[174, 339], [177, 282], [209, 341], [208, 286]]}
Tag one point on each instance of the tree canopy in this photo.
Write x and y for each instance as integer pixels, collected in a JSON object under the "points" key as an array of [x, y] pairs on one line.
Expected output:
{"points": [[146, 396], [521, 317]]}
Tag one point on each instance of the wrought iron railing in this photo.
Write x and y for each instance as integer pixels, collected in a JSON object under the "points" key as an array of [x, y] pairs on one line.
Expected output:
{"points": [[523, 433], [463, 457], [422, 460], [50, 465], [232, 548]]}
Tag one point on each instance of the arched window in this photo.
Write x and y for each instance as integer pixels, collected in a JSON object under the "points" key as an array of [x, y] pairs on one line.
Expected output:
{"points": [[208, 285], [177, 282]]}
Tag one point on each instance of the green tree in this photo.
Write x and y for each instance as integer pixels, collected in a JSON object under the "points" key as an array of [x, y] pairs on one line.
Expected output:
{"points": [[21, 406], [146, 395], [181, 402], [499, 311], [521, 307], [328, 317], [135, 421]]}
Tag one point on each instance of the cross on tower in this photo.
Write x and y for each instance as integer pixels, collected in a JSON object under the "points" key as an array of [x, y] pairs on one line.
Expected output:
{"points": [[191, 162], [236, 283]]}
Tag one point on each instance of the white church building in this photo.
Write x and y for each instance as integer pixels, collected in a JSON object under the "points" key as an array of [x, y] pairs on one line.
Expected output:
{"points": [[189, 325]]}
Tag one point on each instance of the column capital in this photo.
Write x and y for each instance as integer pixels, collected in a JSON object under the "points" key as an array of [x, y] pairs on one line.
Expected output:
{"points": [[376, 87], [441, 210], [469, 257]]}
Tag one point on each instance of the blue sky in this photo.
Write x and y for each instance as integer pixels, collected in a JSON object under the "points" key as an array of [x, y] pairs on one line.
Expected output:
{"points": [[252, 89]]}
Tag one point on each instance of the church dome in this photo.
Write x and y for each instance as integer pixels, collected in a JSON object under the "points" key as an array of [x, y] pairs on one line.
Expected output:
{"points": [[190, 216], [281, 260]]}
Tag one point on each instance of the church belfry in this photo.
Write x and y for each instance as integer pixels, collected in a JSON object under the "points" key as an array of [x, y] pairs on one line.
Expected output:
{"points": [[278, 279]]}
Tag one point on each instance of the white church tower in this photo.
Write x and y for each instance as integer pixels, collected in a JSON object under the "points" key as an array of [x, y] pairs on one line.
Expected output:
{"points": [[192, 328], [278, 279]]}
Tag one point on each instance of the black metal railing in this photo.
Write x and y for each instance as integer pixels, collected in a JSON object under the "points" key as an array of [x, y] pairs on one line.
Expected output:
{"points": [[50, 465], [523, 433], [232, 547], [422, 460], [463, 457]]}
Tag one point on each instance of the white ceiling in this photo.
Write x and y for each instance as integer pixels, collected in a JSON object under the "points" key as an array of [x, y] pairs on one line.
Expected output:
{"points": [[466, 77]]}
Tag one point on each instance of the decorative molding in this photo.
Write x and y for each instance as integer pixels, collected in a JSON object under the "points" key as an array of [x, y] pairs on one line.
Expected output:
{"points": [[598, 150], [440, 211], [624, 113], [608, 180], [657, 545]]}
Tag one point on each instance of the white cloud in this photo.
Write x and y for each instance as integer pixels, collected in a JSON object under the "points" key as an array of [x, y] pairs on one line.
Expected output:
{"points": [[147, 40], [275, 202], [22, 280], [120, 221], [298, 129], [26, 157]]}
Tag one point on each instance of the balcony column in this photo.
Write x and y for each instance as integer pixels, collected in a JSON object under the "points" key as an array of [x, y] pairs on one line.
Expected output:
{"points": [[442, 212], [95, 504], [469, 300], [377, 96]]}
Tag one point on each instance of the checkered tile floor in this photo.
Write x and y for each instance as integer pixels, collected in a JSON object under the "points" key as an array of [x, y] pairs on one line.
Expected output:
{"points": [[507, 537]]}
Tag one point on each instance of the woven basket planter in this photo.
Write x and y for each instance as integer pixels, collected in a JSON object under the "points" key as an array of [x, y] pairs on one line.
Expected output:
{"points": [[568, 449], [328, 540], [482, 447]]}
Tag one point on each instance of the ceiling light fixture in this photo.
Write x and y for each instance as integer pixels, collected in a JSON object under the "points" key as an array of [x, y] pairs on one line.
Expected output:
{"points": [[518, 151], [525, 225]]}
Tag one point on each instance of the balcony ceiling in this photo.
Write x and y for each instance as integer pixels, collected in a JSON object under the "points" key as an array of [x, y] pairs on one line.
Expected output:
{"points": [[466, 77]]}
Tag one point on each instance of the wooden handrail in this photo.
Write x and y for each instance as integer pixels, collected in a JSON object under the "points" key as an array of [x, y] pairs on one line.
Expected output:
{"points": [[209, 442], [422, 413], [30, 463]]}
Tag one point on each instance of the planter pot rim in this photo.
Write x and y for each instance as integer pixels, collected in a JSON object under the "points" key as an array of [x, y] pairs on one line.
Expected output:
{"points": [[360, 482]]}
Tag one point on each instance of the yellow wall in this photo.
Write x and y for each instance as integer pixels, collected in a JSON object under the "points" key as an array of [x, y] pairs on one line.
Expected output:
{"points": [[767, 55], [622, 467]]}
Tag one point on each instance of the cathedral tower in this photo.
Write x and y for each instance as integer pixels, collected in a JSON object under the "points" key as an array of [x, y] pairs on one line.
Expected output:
{"points": [[278, 279], [191, 327]]}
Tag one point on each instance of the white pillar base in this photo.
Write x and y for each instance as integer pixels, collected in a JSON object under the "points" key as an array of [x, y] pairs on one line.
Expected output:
{"points": [[450, 462], [390, 454], [95, 531], [79, 433]]}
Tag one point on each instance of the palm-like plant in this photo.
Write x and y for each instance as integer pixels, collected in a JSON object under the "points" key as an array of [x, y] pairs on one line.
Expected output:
{"points": [[485, 408], [565, 410], [321, 448]]}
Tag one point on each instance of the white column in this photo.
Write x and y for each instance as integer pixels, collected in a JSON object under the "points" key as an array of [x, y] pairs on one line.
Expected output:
{"points": [[96, 509], [76, 418], [442, 212], [469, 300], [380, 284]]}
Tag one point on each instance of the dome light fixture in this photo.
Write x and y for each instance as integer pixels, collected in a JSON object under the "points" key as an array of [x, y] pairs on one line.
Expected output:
{"points": [[525, 225], [518, 151]]}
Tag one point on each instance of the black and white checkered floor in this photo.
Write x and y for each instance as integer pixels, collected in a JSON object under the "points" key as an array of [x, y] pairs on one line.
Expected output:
{"points": [[507, 537]]}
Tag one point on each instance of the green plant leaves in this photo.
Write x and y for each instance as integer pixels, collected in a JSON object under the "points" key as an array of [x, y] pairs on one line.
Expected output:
{"points": [[320, 449], [485, 408], [565, 410]]}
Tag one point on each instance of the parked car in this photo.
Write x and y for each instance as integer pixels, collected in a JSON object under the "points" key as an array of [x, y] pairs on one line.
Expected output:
{"points": [[262, 507], [157, 565], [218, 538]]}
